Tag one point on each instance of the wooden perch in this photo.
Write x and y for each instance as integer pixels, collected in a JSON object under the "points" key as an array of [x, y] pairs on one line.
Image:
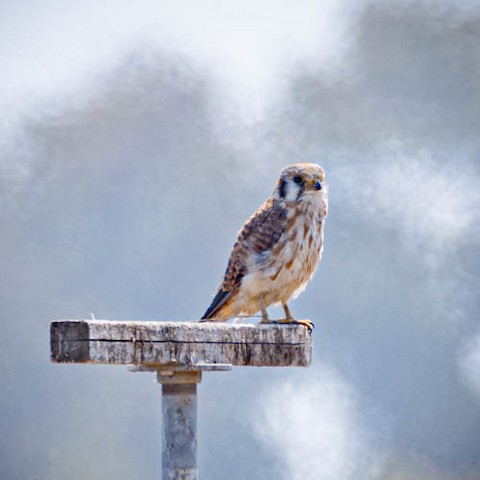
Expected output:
{"points": [[179, 352], [184, 345]]}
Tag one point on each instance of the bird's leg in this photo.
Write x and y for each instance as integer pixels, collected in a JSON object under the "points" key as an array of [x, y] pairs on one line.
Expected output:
{"points": [[265, 318], [289, 319], [288, 315]]}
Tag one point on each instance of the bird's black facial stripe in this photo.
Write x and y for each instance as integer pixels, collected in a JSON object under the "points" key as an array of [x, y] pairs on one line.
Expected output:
{"points": [[301, 189], [282, 189]]}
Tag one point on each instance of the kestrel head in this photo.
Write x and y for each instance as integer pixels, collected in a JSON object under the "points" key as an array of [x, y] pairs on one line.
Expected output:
{"points": [[300, 181]]}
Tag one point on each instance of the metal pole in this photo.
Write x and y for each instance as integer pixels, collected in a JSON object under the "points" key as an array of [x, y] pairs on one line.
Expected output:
{"points": [[179, 438]]}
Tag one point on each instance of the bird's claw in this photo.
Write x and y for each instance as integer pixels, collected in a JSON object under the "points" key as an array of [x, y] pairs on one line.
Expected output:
{"points": [[306, 323], [290, 321]]}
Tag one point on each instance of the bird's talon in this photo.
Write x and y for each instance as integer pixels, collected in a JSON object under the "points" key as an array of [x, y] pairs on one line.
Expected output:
{"points": [[306, 323], [290, 321]]}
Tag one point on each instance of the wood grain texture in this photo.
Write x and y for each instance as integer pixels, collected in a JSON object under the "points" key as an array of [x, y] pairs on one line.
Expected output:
{"points": [[188, 345]]}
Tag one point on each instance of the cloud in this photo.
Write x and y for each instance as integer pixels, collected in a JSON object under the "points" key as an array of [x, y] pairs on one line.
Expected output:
{"points": [[314, 429], [247, 47], [432, 206], [246, 52]]}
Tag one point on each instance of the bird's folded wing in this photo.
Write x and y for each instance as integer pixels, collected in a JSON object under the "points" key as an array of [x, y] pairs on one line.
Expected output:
{"points": [[256, 239]]}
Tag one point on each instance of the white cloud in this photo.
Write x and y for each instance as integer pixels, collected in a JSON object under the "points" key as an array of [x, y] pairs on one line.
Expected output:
{"points": [[434, 207], [313, 427], [53, 48]]}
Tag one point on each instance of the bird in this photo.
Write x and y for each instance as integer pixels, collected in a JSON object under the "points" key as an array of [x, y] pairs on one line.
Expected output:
{"points": [[277, 250]]}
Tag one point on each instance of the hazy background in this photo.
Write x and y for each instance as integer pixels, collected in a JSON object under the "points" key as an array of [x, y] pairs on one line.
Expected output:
{"points": [[136, 137]]}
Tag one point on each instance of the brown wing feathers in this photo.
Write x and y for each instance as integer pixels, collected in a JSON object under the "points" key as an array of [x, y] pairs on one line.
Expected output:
{"points": [[259, 234]]}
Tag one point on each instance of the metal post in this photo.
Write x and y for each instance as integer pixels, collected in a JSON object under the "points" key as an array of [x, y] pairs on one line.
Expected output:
{"points": [[179, 438]]}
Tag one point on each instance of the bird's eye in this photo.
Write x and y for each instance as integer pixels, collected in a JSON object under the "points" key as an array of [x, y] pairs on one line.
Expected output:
{"points": [[298, 179]]}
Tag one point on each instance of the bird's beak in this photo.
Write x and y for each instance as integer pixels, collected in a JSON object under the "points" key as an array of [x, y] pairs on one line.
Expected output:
{"points": [[314, 184]]}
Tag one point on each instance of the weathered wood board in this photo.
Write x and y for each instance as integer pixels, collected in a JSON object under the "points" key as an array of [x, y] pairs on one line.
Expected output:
{"points": [[179, 344]]}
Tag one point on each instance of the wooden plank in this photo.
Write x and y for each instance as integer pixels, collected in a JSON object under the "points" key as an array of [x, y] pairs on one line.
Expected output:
{"points": [[179, 344]]}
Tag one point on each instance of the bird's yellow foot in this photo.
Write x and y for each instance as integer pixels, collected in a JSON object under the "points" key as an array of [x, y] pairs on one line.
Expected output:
{"points": [[292, 321], [306, 323]]}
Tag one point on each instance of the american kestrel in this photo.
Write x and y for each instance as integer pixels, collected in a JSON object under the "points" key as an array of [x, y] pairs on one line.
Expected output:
{"points": [[277, 250]]}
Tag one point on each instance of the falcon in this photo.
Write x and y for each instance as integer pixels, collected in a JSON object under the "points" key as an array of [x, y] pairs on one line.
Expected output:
{"points": [[277, 250]]}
